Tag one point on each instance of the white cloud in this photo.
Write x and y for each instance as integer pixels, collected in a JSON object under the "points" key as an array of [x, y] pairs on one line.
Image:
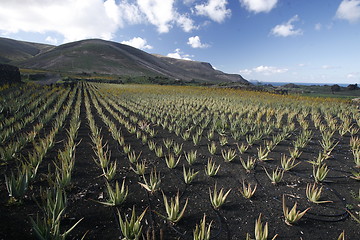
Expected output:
{"points": [[352, 76], [158, 13], [137, 42], [245, 71], [163, 15], [81, 19], [264, 70], [186, 23], [318, 26], [179, 55], [349, 10], [267, 70], [214, 9], [287, 29], [258, 6], [195, 42], [73, 19], [51, 40]]}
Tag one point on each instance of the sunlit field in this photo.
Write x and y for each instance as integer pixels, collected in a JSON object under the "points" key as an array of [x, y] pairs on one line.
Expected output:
{"points": [[107, 161]]}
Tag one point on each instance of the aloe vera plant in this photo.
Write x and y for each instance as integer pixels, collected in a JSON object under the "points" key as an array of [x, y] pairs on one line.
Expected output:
{"points": [[168, 142], [17, 185], [177, 148], [356, 154], [174, 214], [249, 164], [261, 231], [131, 229], [211, 169], [191, 157], [110, 171], [189, 175], [171, 162], [159, 151], [242, 148], [247, 191], [154, 181], [217, 199], [53, 205], [45, 229], [132, 156], [320, 172], [292, 216], [116, 196], [202, 232], [223, 140], [288, 163], [212, 148], [313, 193], [276, 175], [228, 155], [139, 168]]}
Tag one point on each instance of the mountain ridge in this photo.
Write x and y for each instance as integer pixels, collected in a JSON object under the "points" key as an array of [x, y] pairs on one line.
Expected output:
{"points": [[107, 57]]}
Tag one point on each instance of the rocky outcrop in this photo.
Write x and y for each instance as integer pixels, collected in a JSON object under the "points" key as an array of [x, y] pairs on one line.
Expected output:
{"points": [[9, 74]]}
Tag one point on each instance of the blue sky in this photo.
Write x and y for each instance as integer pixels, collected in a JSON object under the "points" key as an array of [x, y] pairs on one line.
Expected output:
{"points": [[314, 41]]}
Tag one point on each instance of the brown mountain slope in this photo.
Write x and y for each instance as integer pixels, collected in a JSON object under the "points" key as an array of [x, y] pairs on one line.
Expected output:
{"points": [[13, 50], [106, 57]]}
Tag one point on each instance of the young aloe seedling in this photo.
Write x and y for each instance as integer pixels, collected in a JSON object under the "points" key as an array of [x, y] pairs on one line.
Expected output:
{"points": [[242, 148], [313, 193], [249, 164], [288, 163], [110, 171], [263, 154], [189, 175], [202, 232], [190, 157], [116, 197], [173, 212], [171, 162], [177, 148], [276, 175], [217, 199], [292, 216], [17, 186], [139, 168], [261, 231], [212, 148], [132, 156], [320, 172], [168, 143], [211, 169], [131, 230], [154, 182], [247, 191], [228, 155], [159, 151]]}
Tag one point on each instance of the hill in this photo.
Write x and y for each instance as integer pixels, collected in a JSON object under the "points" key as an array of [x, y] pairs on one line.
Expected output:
{"points": [[106, 57], [13, 50]]}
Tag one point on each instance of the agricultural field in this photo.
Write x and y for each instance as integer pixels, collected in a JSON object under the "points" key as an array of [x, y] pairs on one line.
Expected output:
{"points": [[108, 161]]}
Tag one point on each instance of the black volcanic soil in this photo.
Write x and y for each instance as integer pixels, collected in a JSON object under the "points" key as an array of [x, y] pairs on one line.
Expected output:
{"points": [[235, 219]]}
